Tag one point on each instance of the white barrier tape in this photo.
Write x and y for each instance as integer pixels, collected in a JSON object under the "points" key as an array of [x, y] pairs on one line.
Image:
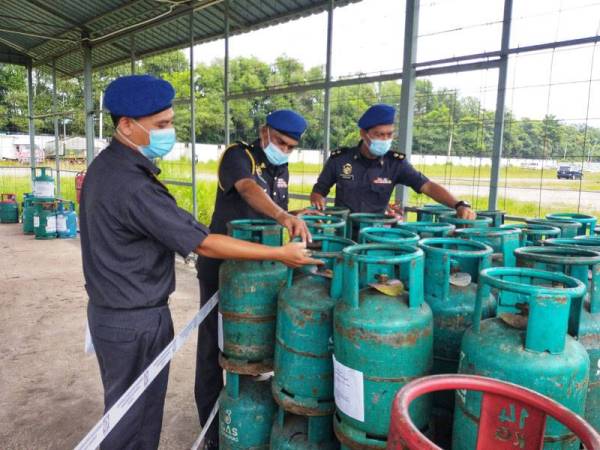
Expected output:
{"points": [[97, 434], [206, 426]]}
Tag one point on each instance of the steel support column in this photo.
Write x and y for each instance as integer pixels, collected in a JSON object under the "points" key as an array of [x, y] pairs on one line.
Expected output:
{"points": [[226, 76], [193, 118], [327, 92], [500, 106], [88, 103], [31, 121], [56, 132], [407, 93]]}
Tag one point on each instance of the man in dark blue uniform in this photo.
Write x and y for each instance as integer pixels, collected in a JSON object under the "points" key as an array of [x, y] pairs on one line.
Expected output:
{"points": [[365, 175], [253, 183], [131, 229]]}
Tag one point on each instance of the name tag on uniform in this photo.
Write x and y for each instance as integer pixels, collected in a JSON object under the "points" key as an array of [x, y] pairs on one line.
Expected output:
{"points": [[380, 180], [281, 183]]}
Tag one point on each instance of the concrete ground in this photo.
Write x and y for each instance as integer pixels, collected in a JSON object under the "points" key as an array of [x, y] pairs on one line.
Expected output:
{"points": [[50, 390]]}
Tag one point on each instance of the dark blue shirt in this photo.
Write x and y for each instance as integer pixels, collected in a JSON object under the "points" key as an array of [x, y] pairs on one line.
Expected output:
{"points": [[242, 161], [131, 228], [363, 184]]}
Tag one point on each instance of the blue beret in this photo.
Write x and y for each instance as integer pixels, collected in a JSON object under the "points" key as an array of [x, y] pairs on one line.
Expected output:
{"points": [[377, 115], [138, 96], [287, 122]]}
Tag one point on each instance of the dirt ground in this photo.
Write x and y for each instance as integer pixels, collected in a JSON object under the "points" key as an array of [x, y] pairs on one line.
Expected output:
{"points": [[50, 390]]}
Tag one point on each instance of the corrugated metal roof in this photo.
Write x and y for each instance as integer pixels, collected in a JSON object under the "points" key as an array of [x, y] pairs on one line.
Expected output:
{"points": [[44, 32]]}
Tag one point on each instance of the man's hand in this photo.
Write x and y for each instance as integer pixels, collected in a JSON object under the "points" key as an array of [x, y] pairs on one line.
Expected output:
{"points": [[295, 226], [295, 255], [465, 213], [317, 200], [395, 210]]}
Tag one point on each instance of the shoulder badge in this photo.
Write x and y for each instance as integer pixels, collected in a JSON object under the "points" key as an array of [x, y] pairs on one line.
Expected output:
{"points": [[399, 156], [338, 151]]}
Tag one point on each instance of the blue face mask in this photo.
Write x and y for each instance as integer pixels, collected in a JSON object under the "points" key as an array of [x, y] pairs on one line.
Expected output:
{"points": [[379, 147], [161, 142], [274, 155]]}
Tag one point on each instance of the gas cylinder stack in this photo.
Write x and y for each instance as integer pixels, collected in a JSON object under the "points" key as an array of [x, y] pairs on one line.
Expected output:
{"points": [[43, 215], [248, 293]]}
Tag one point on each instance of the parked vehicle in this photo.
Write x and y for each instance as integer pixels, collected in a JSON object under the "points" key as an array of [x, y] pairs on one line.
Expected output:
{"points": [[569, 173]]}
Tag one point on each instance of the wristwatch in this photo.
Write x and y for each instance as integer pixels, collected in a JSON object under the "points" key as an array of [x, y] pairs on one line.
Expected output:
{"points": [[462, 203]]}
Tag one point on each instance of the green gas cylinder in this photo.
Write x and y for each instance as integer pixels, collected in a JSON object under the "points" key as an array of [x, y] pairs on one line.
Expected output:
{"points": [[293, 432], [372, 235], [9, 208], [43, 183], [504, 241], [246, 412], [477, 222], [358, 221], [496, 215], [303, 381], [532, 233], [588, 223], [248, 301], [428, 229], [44, 218], [339, 211], [28, 210], [526, 344], [431, 212], [383, 339], [568, 228], [325, 224], [584, 324]]}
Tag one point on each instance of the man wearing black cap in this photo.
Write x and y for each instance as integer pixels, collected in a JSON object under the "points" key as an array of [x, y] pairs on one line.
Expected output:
{"points": [[253, 183], [365, 175], [131, 229]]}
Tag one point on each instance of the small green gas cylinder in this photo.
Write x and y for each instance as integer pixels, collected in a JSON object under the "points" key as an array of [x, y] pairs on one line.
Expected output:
{"points": [[588, 223], [504, 241], [428, 229], [28, 210], [44, 218], [9, 208], [477, 222], [293, 432], [338, 211], [496, 215], [584, 324], [383, 338], [303, 381], [586, 242], [248, 301], [246, 413], [526, 344], [568, 228], [431, 212], [43, 184], [533, 233], [329, 225]]}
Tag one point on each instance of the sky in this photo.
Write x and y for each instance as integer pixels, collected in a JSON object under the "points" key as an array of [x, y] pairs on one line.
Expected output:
{"points": [[368, 38]]}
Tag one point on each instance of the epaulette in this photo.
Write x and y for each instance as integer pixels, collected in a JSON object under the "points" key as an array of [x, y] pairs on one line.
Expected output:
{"points": [[399, 155], [338, 151]]}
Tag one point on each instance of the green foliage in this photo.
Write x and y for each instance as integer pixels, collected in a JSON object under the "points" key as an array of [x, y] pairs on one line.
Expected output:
{"points": [[444, 123]]}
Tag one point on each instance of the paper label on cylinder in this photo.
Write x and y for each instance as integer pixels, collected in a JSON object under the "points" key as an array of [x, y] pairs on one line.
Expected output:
{"points": [[36, 221], [348, 390], [220, 332], [61, 224], [43, 189], [51, 224]]}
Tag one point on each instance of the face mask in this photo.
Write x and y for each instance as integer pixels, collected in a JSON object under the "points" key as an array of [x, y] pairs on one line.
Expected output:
{"points": [[274, 155], [161, 142], [379, 147]]}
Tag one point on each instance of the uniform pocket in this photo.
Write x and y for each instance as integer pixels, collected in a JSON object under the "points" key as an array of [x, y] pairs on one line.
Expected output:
{"points": [[114, 334]]}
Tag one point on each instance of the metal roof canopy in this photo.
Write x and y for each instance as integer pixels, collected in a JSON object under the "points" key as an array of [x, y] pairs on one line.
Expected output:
{"points": [[40, 33]]}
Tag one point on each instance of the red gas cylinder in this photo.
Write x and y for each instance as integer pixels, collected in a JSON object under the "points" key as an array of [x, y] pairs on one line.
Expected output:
{"points": [[79, 177]]}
